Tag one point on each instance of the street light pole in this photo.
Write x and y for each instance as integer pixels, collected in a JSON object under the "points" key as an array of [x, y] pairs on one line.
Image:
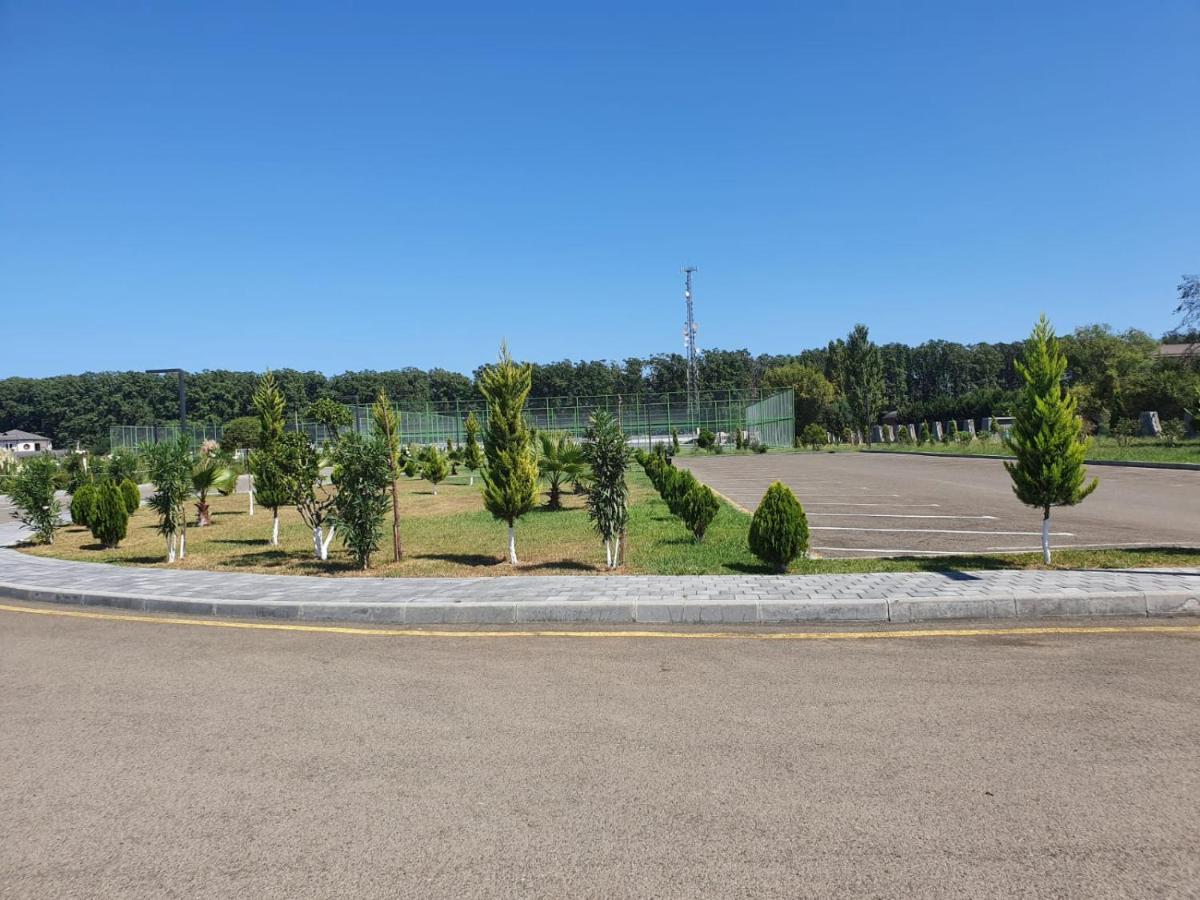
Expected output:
{"points": [[179, 373]]}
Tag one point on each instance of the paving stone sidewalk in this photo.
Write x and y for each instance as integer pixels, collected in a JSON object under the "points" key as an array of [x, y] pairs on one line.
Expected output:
{"points": [[880, 597]]}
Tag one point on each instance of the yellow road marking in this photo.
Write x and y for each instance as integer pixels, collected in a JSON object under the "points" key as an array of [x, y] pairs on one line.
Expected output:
{"points": [[1031, 630]]}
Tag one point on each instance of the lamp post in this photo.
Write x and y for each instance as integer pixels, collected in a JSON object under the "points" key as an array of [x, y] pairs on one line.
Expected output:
{"points": [[182, 392]]}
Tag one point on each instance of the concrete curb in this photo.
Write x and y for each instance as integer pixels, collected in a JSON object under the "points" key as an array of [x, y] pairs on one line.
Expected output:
{"points": [[1119, 463], [1064, 604]]}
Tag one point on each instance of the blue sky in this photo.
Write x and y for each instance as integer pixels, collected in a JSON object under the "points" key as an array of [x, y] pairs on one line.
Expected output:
{"points": [[374, 185]]}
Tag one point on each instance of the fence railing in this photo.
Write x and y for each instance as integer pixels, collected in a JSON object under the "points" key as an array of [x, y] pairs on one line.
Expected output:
{"points": [[772, 421]]}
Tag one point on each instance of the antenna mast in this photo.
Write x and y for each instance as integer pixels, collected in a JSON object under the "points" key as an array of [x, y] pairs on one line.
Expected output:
{"points": [[689, 341]]}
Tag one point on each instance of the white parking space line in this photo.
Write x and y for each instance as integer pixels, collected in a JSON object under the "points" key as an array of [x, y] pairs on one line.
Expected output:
{"points": [[858, 515], [888, 505], [938, 531], [894, 550]]}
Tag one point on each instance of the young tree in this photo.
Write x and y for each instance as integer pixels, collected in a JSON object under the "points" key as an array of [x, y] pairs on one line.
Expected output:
{"points": [[133, 496], [779, 529], [32, 493], [363, 479], [242, 433], [861, 369], [813, 436], [387, 427], [510, 482], [210, 474], [472, 455], [435, 468], [122, 465], [1045, 437], [560, 461], [333, 415], [268, 481], [83, 504], [110, 520], [699, 508], [170, 470], [607, 453]]}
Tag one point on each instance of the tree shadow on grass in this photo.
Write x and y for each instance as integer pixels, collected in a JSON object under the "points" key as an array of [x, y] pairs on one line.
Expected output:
{"points": [[562, 565], [240, 542], [264, 559], [474, 560]]}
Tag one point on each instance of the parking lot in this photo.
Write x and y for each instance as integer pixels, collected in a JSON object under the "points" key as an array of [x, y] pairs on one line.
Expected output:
{"points": [[864, 504]]}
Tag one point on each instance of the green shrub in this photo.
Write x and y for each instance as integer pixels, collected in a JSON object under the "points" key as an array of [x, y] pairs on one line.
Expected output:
{"points": [[31, 490], [923, 436], [963, 437], [412, 468], [243, 433], [133, 497], [779, 529], [813, 436], [1172, 432], [758, 447], [698, 508], [1125, 431], [83, 504], [436, 468], [847, 435], [110, 520], [677, 484], [706, 440], [983, 435], [902, 435], [951, 432], [675, 440]]}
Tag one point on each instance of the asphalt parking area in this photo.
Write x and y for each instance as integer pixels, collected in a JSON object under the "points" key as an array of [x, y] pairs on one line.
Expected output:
{"points": [[865, 504]]}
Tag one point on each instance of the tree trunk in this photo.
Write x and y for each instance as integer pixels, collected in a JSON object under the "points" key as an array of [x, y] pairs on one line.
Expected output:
{"points": [[325, 543], [183, 543], [202, 514], [607, 554], [1046, 537], [616, 560], [397, 550], [250, 482], [275, 529], [316, 533], [170, 548], [512, 545]]}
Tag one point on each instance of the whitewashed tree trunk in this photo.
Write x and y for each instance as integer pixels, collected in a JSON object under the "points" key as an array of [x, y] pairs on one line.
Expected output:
{"points": [[325, 543], [616, 554], [170, 548], [512, 545], [607, 554], [316, 533], [471, 483], [1046, 539], [250, 482], [183, 544], [275, 530]]}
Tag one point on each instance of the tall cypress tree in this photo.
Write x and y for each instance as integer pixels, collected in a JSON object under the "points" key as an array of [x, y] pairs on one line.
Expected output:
{"points": [[1046, 436], [472, 455], [861, 372], [268, 478], [510, 480]]}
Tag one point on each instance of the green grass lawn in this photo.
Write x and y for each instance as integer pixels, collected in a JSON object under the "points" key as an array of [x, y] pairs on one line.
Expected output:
{"points": [[451, 535]]}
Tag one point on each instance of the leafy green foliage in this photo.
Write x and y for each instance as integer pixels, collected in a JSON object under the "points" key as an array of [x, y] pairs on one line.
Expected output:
{"points": [[387, 426], [333, 415], [924, 436], [607, 454], [706, 440], [210, 474], [472, 454], [1045, 437], [31, 490], [859, 367], [511, 478], [674, 441], [83, 504], [242, 433], [812, 392], [779, 529], [170, 470], [561, 461], [698, 508], [362, 476], [121, 465], [813, 436], [131, 495], [436, 468], [110, 519], [412, 468]]}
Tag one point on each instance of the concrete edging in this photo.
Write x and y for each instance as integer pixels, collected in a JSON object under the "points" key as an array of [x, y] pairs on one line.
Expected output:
{"points": [[657, 612]]}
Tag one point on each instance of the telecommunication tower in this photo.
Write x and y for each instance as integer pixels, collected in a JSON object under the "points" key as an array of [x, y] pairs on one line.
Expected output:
{"points": [[689, 342]]}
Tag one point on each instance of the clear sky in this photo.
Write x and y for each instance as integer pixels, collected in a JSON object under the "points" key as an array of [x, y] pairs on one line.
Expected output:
{"points": [[374, 185]]}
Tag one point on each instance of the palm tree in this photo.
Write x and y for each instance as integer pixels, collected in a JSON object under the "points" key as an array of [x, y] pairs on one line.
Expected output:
{"points": [[561, 461], [209, 475]]}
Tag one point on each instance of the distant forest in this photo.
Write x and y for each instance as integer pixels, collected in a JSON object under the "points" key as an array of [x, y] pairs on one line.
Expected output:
{"points": [[1116, 375]]}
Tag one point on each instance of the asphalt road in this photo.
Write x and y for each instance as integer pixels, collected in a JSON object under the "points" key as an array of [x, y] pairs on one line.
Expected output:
{"points": [[164, 760], [864, 504]]}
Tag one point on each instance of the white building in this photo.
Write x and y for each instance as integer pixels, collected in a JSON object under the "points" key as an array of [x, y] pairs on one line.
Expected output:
{"points": [[22, 443]]}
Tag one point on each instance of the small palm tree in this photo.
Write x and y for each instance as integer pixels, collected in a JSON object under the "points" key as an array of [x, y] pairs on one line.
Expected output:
{"points": [[210, 475], [561, 461]]}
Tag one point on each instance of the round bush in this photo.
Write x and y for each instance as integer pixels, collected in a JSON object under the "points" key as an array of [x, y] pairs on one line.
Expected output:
{"points": [[779, 529], [131, 495], [83, 504], [111, 519]]}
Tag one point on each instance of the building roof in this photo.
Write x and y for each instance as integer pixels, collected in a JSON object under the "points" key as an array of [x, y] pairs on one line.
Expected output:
{"points": [[1176, 350], [17, 435]]}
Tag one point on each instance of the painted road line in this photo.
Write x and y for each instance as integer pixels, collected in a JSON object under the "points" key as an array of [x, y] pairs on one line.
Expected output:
{"points": [[899, 550], [886, 505], [858, 515], [938, 531], [666, 635]]}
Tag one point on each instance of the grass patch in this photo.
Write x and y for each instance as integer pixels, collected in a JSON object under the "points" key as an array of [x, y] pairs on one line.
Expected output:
{"points": [[450, 534]]}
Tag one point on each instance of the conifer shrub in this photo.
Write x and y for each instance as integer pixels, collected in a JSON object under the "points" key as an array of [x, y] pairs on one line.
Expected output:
{"points": [[698, 508], [779, 529], [923, 436], [110, 520], [706, 440], [83, 504], [131, 495], [678, 484]]}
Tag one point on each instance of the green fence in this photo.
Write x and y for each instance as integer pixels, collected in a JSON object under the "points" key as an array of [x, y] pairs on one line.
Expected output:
{"points": [[772, 421], [646, 420]]}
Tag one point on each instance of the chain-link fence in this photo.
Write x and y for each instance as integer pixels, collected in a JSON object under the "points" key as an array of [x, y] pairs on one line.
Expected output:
{"points": [[645, 420]]}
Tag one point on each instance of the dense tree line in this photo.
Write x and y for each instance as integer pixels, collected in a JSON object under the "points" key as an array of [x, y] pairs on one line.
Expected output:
{"points": [[1114, 375]]}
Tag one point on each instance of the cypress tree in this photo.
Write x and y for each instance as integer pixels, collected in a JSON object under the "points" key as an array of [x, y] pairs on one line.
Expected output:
{"points": [[110, 519], [83, 504], [698, 509], [510, 482], [133, 497], [779, 529], [435, 469], [472, 455], [269, 481], [387, 424], [1046, 437]]}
